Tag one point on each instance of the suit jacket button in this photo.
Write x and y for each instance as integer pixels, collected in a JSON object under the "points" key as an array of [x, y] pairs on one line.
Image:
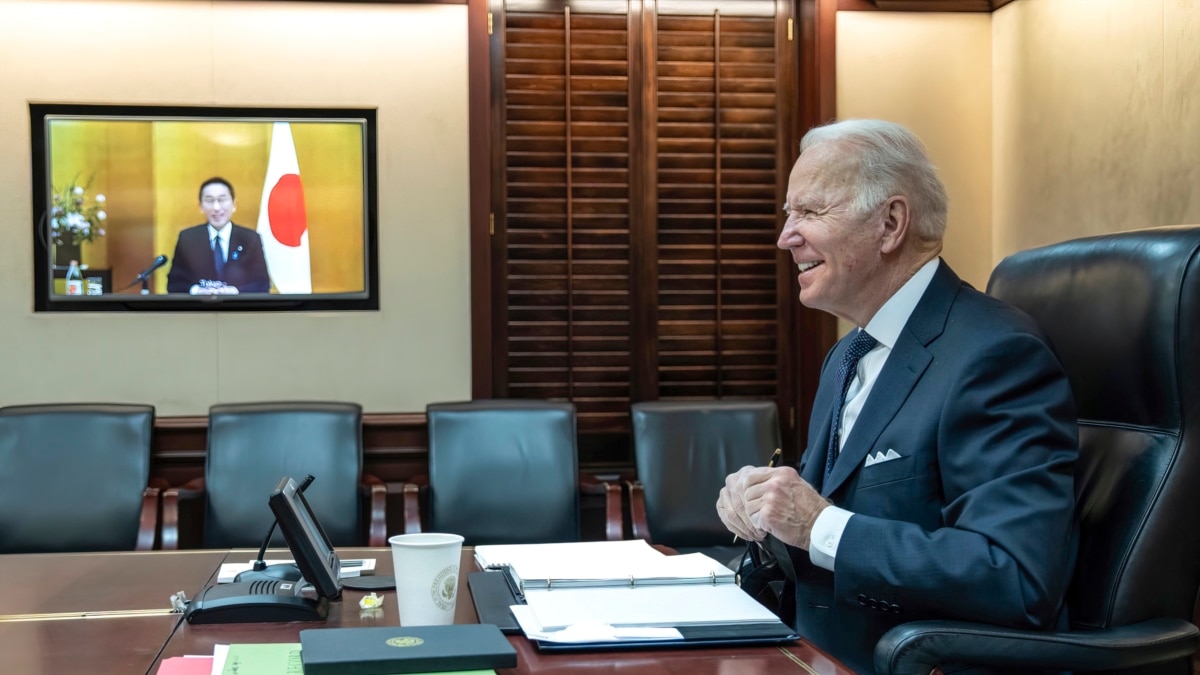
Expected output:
{"points": [[862, 599], [873, 603], [895, 608]]}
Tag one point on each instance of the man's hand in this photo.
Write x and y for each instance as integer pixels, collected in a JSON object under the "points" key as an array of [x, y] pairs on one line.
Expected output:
{"points": [[731, 506], [757, 501]]}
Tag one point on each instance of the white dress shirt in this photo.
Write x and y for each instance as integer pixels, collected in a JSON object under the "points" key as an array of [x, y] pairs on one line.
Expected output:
{"points": [[223, 233], [885, 327]]}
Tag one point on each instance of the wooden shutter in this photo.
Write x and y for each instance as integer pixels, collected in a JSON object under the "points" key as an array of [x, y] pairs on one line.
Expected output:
{"points": [[636, 204], [718, 204], [567, 211]]}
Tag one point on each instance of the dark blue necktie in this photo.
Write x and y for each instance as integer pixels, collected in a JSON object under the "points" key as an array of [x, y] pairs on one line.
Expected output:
{"points": [[859, 346], [218, 255]]}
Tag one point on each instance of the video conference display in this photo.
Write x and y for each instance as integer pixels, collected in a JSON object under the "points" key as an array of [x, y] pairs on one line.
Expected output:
{"points": [[142, 207]]}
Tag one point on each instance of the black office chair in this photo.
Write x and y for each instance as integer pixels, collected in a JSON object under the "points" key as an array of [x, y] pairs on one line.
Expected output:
{"points": [[76, 477], [505, 472], [252, 445], [684, 451], [1123, 313]]}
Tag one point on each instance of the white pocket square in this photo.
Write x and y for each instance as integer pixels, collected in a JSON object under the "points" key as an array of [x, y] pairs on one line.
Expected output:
{"points": [[881, 457]]}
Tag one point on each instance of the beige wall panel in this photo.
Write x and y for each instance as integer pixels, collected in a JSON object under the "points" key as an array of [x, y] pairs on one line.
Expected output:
{"points": [[107, 52], [409, 62], [1080, 130], [1181, 112], [931, 73]]}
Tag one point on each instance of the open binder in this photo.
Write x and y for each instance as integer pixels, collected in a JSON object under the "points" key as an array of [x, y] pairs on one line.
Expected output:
{"points": [[626, 594], [597, 564]]}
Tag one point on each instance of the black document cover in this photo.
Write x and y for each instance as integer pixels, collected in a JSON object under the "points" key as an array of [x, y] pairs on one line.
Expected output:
{"points": [[732, 635], [493, 597], [396, 649]]}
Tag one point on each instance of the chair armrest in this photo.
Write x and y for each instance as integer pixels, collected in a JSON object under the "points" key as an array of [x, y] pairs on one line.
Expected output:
{"points": [[376, 491], [193, 489], [412, 504], [920, 646], [614, 521], [148, 520], [637, 511]]}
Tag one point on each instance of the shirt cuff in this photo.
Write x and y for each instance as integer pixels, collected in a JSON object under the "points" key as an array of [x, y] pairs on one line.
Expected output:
{"points": [[826, 535]]}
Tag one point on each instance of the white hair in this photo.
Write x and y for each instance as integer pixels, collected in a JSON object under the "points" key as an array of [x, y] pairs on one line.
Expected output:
{"points": [[891, 161]]}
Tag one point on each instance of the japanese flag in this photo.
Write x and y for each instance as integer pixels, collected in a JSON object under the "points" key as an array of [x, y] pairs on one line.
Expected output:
{"points": [[282, 222]]}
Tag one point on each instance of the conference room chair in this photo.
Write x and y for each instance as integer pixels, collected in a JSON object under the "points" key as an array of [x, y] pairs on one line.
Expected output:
{"points": [[1123, 313], [76, 477], [505, 472], [684, 450], [250, 447]]}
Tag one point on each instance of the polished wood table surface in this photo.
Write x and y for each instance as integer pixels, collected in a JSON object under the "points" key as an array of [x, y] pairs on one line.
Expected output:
{"points": [[103, 613], [109, 614], [64, 583], [111, 645], [797, 658]]}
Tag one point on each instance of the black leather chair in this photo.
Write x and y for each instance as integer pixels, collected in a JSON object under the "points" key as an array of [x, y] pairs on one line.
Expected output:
{"points": [[505, 472], [76, 477], [252, 445], [684, 451], [1123, 313]]}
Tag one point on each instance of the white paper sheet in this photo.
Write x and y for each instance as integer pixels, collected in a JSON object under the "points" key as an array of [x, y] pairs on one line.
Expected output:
{"points": [[350, 568], [654, 606]]}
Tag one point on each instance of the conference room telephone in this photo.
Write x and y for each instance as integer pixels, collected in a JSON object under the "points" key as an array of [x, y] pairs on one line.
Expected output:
{"points": [[257, 601], [270, 600]]}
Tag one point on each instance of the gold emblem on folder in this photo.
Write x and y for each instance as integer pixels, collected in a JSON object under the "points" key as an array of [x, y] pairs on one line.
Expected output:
{"points": [[405, 641]]}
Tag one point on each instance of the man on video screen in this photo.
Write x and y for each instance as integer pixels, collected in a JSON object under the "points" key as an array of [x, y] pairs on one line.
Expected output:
{"points": [[218, 257]]}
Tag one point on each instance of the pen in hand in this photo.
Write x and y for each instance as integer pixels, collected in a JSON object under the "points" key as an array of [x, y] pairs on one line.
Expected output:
{"points": [[770, 465]]}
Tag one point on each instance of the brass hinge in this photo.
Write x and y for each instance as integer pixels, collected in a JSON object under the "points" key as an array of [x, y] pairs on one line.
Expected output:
{"points": [[492, 224], [790, 24], [792, 416], [490, 25]]}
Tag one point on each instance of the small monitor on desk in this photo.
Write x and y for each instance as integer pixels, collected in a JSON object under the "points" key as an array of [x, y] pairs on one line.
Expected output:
{"points": [[306, 539], [280, 600]]}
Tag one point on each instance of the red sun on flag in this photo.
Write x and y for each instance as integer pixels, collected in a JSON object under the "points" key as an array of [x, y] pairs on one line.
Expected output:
{"points": [[285, 207]]}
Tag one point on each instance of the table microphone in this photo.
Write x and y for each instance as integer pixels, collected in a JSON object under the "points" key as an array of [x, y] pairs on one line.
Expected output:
{"points": [[282, 571]]}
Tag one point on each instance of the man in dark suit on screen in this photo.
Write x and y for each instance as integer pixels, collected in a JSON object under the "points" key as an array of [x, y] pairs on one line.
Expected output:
{"points": [[938, 476], [218, 257]]}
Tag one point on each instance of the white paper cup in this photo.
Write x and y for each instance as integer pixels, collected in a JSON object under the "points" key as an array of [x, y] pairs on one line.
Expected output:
{"points": [[426, 569]]}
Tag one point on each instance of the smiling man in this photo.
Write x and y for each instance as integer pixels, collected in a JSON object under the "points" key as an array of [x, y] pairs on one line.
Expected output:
{"points": [[938, 476], [218, 256]]}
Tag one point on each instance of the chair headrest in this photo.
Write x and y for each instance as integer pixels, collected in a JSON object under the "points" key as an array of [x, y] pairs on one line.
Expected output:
{"points": [[1117, 308]]}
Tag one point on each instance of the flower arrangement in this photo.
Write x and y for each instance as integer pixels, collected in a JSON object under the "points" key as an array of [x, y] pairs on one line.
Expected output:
{"points": [[73, 219]]}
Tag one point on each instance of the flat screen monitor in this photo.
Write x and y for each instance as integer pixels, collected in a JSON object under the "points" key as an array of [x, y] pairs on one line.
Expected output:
{"points": [[203, 208], [306, 539]]}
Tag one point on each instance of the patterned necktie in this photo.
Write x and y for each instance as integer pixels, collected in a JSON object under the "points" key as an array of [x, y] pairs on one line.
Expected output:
{"points": [[218, 255], [859, 346]]}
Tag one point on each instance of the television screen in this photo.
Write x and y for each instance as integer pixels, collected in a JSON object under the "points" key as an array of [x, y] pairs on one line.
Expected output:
{"points": [[203, 208]]}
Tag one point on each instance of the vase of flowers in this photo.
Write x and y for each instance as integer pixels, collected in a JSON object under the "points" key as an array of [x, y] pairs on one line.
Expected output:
{"points": [[74, 219]]}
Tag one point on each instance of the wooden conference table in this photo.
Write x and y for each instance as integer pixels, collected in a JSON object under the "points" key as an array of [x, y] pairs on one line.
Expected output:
{"points": [[109, 614]]}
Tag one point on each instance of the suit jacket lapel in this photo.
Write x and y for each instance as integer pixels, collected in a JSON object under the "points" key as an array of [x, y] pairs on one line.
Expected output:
{"points": [[905, 365], [813, 471], [235, 240]]}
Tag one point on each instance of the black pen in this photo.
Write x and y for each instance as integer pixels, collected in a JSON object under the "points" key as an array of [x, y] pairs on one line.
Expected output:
{"points": [[770, 465]]}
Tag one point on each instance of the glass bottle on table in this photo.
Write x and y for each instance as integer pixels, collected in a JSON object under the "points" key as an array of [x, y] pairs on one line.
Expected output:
{"points": [[74, 279]]}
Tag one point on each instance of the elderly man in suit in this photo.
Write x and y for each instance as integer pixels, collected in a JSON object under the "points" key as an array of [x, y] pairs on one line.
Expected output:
{"points": [[218, 257], [938, 476]]}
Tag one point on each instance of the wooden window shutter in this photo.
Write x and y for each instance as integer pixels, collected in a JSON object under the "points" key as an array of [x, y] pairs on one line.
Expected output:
{"points": [[637, 194], [718, 203]]}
